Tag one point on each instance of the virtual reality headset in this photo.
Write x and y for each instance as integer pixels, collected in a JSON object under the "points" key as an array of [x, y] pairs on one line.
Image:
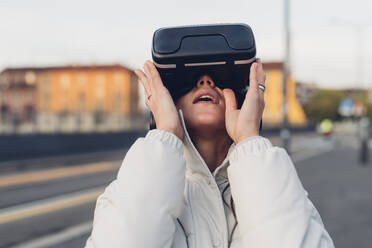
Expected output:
{"points": [[223, 51]]}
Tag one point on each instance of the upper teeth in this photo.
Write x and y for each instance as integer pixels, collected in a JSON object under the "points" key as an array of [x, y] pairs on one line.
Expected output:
{"points": [[206, 96]]}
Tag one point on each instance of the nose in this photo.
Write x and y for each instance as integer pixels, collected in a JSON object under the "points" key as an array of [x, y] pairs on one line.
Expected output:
{"points": [[204, 81]]}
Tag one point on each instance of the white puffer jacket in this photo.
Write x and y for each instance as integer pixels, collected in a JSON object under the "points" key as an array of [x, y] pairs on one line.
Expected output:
{"points": [[166, 197]]}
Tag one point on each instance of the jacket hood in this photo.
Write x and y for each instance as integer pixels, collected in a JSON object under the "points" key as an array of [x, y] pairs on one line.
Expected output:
{"points": [[194, 161]]}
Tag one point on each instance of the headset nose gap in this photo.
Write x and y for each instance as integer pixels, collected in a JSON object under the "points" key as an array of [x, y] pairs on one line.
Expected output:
{"points": [[205, 80]]}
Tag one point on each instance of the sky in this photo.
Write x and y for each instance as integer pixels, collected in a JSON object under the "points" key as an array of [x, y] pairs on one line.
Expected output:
{"points": [[326, 47]]}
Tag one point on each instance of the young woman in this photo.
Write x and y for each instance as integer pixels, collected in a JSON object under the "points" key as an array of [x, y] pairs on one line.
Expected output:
{"points": [[205, 178]]}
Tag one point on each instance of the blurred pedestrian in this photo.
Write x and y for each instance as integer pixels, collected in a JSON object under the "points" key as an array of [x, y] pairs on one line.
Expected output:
{"points": [[364, 133], [326, 127], [205, 178]]}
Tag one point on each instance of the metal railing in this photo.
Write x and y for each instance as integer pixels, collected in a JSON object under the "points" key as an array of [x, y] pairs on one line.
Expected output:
{"points": [[71, 123]]}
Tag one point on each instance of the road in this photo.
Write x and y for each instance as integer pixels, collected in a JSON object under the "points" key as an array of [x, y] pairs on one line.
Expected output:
{"points": [[50, 202]]}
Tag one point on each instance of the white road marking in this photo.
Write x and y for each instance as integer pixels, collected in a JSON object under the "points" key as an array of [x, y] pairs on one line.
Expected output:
{"points": [[49, 205], [312, 147], [43, 175], [306, 154], [58, 238]]}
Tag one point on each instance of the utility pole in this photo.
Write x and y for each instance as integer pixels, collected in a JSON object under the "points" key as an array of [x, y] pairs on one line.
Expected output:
{"points": [[359, 34], [285, 133], [364, 123], [359, 30]]}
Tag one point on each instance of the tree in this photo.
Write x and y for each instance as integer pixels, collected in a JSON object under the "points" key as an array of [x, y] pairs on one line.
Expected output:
{"points": [[324, 104], [369, 110]]}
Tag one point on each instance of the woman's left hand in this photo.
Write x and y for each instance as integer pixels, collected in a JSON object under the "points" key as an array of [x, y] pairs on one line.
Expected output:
{"points": [[245, 122]]}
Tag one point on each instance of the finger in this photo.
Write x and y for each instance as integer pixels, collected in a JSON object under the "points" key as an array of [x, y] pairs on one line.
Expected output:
{"points": [[151, 68], [260, 81], [154, 74], [143, 80], [261, 94], [263, 82], [149, 77], [261, 78], [261, 74], [141, 75], [230, 100], [147, 102], [253, 84]]}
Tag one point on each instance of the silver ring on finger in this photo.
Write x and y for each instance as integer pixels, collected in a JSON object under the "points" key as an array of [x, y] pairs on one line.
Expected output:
{"points": [[262, 87]]}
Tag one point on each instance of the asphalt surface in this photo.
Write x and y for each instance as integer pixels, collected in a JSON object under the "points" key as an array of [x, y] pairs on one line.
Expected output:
{"points": [[77, 242], [22, 194], [338, 186], [341, 190], [31, 228], [25, 165], [30, 194]]}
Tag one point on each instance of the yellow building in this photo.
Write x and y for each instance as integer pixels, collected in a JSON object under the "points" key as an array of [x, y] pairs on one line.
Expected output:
{"points": [[72, 89], [75, 97], [108, 88], [273, 114]]}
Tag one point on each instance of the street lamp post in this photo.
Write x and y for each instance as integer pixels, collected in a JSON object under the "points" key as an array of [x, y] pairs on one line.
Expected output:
{"points": [[364, 124], [359, 29], [285, 133], [359, 34]]}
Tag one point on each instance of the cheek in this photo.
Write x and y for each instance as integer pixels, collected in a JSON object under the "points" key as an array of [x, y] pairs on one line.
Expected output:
{"points": [[182, 104]]}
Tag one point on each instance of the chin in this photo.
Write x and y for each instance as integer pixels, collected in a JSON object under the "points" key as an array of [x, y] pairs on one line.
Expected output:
{"points": [[206, 120]]}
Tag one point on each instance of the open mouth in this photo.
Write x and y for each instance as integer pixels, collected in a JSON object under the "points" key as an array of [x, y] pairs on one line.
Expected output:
{"points": [[206, 98]]}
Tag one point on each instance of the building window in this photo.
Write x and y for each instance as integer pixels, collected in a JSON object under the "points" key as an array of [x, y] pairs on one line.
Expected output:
{"points": [[81, 86], [45, 93], [65, 81], [30, 78], [118, 80], [81, 81], [100, 86]]}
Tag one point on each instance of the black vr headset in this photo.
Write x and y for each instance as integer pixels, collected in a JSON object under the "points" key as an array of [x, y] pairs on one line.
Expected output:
{"points": [[225, 52]]}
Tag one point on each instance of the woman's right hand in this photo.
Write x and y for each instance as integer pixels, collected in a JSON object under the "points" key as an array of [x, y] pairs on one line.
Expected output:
{"points": [[159, 100]]}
